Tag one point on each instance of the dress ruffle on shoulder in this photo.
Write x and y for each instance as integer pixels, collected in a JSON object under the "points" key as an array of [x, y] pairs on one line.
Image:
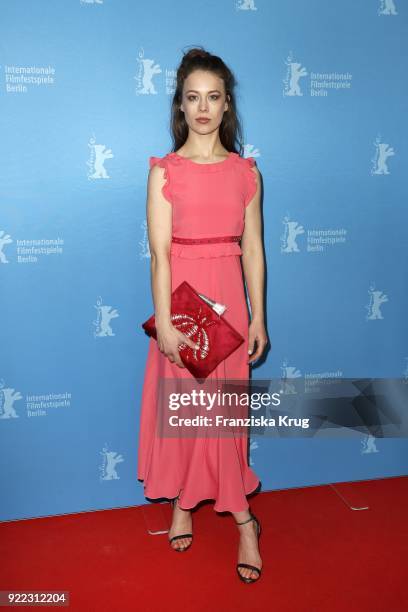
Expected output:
{"points": [[163, 163], [197, 251], [250, 179]]}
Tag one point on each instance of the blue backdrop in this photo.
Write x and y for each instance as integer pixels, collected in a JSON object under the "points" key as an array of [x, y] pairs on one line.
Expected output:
{"points": [[85, 98]]}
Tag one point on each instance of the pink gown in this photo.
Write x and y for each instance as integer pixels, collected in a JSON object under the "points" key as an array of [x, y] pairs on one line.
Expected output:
{"points": [[208, 200]]}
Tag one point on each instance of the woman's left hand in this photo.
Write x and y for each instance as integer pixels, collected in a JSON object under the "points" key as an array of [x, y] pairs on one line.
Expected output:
{"points": [[256, 333]]}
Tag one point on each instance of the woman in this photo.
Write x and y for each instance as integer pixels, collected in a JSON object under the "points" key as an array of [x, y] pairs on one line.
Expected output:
{"points": [[203, 189]]}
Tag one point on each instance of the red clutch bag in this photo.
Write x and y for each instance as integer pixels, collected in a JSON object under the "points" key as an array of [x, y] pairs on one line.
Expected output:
{"points": [[200, 319]]}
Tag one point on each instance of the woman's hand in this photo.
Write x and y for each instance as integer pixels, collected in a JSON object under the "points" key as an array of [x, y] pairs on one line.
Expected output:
{"points": [[256, 333], [169, 339]]}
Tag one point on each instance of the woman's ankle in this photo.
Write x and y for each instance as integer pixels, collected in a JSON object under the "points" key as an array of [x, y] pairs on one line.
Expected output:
{"points": [[241, 517]]}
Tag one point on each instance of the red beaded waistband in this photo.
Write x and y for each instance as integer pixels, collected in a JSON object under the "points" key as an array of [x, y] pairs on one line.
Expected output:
{"points": [[206, 240]]}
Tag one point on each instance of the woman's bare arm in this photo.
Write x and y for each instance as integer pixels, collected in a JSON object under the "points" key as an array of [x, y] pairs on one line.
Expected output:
{"points": [[159, 223], [254, 270]]}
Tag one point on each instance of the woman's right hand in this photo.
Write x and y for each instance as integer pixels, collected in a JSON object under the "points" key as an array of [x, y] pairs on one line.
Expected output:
{"points": [[168, 339]]}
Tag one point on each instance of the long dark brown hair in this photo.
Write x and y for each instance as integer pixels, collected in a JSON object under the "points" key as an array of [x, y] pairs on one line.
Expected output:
{"points": [[230, 129]]}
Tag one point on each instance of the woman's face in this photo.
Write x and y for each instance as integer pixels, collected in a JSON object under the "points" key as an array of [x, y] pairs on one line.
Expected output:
{"points": [[203, 96]]}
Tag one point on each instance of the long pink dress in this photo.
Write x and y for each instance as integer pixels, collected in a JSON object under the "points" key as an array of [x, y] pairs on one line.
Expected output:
{"points": [[208, 200]]}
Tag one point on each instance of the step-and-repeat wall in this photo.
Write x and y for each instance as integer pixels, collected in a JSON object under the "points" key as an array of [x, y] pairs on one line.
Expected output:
{"points": [[85, 98]]}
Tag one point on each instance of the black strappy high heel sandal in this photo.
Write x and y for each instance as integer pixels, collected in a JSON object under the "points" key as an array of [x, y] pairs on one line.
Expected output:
{"points": [[247, 565], [183, 535]]}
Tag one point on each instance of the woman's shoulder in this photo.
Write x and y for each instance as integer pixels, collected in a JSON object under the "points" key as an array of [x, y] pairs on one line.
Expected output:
{"points": [[249, 169], [169, 158], [251, 176], [246, 162], [155, 160]]}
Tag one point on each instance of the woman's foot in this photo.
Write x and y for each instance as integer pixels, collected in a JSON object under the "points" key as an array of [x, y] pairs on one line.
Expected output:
{"points": [[182, 523], [248, 551]]}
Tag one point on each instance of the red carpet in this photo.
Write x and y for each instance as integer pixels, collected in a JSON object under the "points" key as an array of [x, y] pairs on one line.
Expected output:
{"points": [[318, 555]]}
